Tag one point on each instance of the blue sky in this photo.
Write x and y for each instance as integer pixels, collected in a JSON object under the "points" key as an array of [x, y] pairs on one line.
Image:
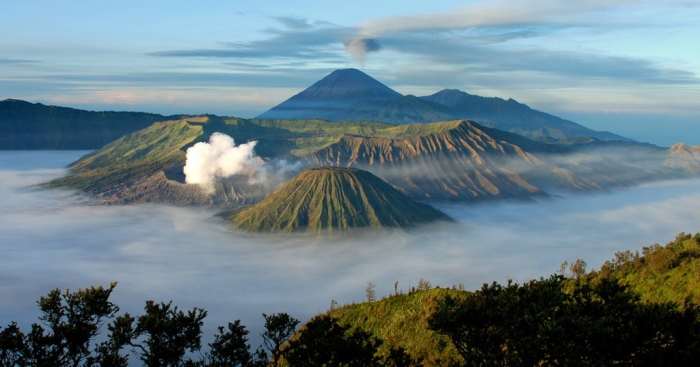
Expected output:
{"points": [[629, 66]]}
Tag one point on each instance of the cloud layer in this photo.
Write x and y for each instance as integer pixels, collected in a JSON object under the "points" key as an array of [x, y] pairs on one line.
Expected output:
{"points": [[55, 239]]}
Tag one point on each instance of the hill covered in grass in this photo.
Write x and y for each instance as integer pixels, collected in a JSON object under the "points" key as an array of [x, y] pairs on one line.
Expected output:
{"points": [[25, 125], [659, 273], [334, 199], [659, 276], [401, 320]]}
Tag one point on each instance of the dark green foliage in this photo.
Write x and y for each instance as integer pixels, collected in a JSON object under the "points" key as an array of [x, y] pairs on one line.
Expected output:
{"points": [[121, 333], [13, 349], [71, 322], [278, 328], [669, 273], [538, 323], [230, 347], [168, 333], [324, 342]]}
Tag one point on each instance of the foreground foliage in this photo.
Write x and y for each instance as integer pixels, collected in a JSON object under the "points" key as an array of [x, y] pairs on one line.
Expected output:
{"points": [[638, 310], [669, 273]]}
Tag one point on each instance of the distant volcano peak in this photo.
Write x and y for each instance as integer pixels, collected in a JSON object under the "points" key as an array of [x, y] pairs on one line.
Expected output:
{"points": [[350, 84], [352, 95]]}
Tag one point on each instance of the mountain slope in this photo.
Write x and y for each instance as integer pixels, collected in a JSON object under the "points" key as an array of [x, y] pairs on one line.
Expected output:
{"points": [[401, 320], [327, 199], [25, 125], [351, 95], [456, 160], [684, 158], [510, 115]]}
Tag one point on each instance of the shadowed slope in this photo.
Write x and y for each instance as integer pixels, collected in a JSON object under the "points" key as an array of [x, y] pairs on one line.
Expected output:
{"points": [[334, 199], [25, 125], [511, 115]]}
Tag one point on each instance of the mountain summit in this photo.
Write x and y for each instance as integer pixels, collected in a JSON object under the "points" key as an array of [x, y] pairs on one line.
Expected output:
{"points": [[351, 95], [348, 84]]}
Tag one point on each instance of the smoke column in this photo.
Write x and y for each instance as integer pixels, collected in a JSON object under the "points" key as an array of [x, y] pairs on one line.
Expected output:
{"points": [[221, 158]]}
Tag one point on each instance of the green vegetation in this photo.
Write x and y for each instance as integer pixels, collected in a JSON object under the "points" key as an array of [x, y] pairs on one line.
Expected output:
{"points": [[669, 273], [328, 199], [637, 310], [133, 157], [69, 335], [401, 320], [658, 280], [538, 323]]}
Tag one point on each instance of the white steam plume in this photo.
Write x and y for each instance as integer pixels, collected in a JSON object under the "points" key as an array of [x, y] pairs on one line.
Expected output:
{"points": [[221, 158]]}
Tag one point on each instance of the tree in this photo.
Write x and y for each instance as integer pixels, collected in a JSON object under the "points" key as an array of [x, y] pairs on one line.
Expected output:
{"points": [[121, 334], [324, 342], [278, 328], [230, 347], [370, 292], [167, 333], [13, 349], [539, 323]]}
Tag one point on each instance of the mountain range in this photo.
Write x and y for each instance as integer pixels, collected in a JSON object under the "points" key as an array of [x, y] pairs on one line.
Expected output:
{"points": [[347, 95], [25, 125], [352, 95]]}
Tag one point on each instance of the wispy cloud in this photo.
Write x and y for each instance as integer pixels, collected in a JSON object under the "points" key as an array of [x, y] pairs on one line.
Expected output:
{"points": [[11, 61], [296, 39]]}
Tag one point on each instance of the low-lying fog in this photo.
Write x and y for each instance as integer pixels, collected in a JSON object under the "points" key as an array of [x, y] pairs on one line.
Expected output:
{"points": [[54, 239]]}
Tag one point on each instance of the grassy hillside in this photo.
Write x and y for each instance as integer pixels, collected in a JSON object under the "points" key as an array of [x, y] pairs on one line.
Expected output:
{"points": [[401, 321], [658, 274], [668, 273], [328, 199]]}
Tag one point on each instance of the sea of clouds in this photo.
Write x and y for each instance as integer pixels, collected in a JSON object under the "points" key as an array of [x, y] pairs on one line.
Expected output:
{"points": [[59, 239]]}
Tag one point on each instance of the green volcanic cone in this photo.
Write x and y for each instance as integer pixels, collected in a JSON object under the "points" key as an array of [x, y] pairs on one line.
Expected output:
{"points": [[330, 198]]}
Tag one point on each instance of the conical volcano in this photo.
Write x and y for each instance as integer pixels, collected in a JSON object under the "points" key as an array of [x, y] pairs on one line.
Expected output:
{"points": [[330, 198], [348, 84], [351, 95]]}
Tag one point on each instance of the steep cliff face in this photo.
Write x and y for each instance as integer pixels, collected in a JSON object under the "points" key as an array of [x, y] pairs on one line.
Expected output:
{"points": [[455, 160], [334, 199]]}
